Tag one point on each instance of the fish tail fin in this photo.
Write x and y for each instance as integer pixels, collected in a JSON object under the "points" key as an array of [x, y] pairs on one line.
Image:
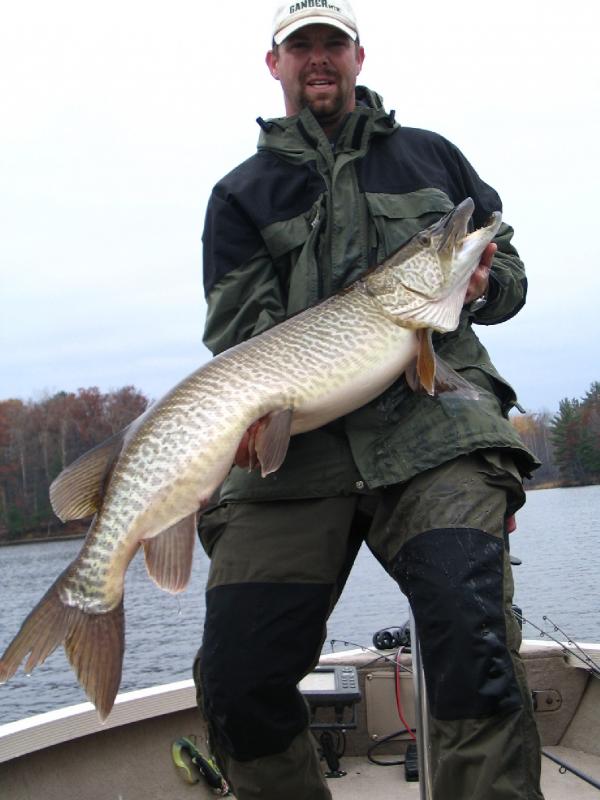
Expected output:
{"points": [[40, 634], [94, 644]]}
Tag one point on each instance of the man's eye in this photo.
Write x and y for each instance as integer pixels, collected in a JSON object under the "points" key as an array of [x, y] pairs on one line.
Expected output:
{"points": [[341, 42]]}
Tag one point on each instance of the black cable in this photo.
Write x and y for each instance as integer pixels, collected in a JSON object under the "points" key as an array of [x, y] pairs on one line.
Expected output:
{"points": [[340, 744], [385, 740]]}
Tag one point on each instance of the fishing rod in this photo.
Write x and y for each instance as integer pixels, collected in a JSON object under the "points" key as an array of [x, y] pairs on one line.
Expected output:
{"points": [[573, 649], [565, 767], [570, 647], [586, 658], [376, 653]]}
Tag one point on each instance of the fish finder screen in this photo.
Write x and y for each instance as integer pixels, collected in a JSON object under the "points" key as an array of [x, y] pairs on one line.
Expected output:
{"points": [[318, 682]]}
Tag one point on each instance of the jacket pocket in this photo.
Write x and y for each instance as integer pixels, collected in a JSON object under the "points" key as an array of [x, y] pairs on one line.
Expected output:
{"points": [[292, 245], [398, 217], [211, 526], [486, 377]]}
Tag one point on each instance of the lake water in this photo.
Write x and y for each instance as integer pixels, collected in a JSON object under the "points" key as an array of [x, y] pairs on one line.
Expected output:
{"points": [[558, 539]]}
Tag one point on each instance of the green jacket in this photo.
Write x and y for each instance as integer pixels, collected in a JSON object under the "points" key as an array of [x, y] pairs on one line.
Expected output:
{"points": [[303, 218]]}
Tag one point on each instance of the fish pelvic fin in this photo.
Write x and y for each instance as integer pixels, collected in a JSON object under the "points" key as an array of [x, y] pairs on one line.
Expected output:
{"points": [[94, 644], [271, 440], [266, 442], [168, 555], [77, 492]]}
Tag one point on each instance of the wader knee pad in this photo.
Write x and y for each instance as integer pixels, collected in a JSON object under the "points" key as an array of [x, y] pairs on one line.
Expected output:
{"points": [[454, 580], [259, 641]]}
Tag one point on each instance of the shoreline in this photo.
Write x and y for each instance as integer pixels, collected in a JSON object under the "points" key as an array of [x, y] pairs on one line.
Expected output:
{"points": [[81, 532], [40, 539]]}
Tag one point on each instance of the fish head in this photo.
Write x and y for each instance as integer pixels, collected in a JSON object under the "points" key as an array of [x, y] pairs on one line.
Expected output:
{"points": [[423, 284]]}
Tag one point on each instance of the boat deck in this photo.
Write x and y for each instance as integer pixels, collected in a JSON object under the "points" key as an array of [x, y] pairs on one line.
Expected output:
{"points": [[387, 783], [69, 755]]}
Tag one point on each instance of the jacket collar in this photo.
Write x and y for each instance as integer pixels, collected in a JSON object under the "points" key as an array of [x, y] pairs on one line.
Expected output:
{"points": [[295, 136]]}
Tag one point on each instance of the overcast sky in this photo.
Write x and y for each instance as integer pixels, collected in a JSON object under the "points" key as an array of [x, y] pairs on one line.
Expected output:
{"points": [[118, 117]]}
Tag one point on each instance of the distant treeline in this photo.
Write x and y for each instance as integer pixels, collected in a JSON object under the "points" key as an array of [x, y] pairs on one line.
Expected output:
{"points": [[38, 439], [567, 443]]}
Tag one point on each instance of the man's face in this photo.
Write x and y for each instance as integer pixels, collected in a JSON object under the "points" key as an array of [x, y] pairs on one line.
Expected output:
{"points": [[317, 67]]}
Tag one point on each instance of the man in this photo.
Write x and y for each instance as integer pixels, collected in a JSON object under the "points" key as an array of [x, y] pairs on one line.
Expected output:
{"points": [[429, 483]]}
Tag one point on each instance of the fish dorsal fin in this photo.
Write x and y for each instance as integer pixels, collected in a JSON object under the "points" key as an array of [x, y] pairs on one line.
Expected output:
{"points": [[77, 491], [169, 555], [272, 439]]}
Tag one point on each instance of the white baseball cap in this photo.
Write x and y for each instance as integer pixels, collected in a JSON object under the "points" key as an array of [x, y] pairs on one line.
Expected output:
{"points": [[290, 17]]}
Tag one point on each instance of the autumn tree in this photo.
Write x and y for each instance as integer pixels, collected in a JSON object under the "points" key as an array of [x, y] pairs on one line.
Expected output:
{"points": [[38, 439], [536, 433]]}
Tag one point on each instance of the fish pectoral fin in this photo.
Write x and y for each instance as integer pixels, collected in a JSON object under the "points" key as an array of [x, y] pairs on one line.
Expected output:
{"points": [[447, 380], [420, 374], [169, 555], [78, 490], [94, 644], [429, 373], [271, 440]]}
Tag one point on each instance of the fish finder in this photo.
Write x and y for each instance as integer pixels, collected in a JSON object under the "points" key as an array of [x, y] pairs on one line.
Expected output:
{"points": [[331, 690]]}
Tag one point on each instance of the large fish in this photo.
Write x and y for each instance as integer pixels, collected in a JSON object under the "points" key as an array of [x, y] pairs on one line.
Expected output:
{"points": [[146, 484]]}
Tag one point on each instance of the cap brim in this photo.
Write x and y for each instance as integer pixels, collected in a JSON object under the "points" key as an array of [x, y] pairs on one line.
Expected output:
{"points": [[315, 19]]}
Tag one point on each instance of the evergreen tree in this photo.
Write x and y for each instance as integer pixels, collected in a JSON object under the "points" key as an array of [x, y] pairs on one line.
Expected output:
{"points": [[590, 432], [576, 437]]}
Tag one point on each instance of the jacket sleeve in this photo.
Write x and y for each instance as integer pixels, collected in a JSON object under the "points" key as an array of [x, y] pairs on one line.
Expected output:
{"points": [[507, 289], [247, 301], [508, 283], [242, 289]]}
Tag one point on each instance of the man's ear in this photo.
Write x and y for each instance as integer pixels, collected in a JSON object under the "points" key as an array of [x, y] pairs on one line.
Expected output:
{"points": [[271, 60], [360, 57]]}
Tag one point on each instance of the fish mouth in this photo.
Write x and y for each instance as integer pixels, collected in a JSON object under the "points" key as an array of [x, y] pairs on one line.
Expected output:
{"points": [[452, 228], [450, 232]]}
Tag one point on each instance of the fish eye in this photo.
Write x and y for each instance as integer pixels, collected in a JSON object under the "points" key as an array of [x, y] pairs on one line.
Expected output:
{"points": [[424, 239]]}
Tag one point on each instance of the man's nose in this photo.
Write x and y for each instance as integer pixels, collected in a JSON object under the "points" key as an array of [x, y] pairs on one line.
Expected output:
{"points": [[319, 54]]}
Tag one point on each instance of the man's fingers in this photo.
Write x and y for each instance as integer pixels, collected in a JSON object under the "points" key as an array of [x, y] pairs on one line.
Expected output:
{"points": [[488, 255], [480, 278]]}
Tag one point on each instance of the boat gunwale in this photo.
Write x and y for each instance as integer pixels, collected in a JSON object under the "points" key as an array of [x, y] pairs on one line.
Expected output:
{"points": [[50, 728]]}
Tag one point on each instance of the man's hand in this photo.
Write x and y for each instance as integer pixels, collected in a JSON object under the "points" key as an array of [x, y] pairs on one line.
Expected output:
{"points": [[243, 455], [478, 285]]}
